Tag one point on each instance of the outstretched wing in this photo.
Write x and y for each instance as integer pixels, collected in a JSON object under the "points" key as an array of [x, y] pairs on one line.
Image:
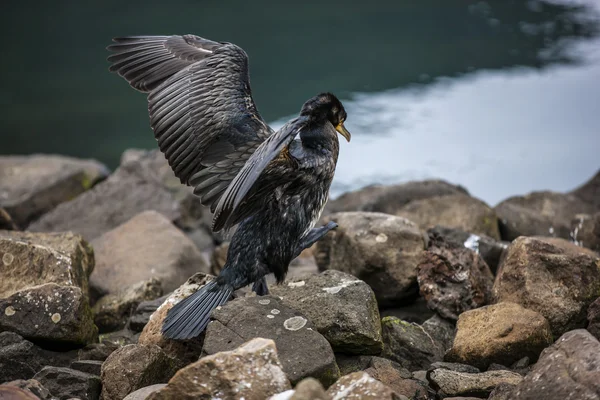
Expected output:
{"points": [[200, 105]]}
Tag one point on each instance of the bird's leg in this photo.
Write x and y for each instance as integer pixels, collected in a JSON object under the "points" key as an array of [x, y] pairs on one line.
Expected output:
{"points": [[314, 236], [260, 287]]}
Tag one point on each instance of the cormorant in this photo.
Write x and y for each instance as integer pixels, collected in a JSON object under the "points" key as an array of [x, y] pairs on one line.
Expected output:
{"points": [[273, 184]]}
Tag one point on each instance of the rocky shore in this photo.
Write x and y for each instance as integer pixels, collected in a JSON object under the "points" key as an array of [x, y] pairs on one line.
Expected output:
{"points": [[423, 292]]}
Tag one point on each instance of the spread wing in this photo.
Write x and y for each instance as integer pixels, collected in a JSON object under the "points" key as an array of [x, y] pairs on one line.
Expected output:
{"points": [[200, 105]]}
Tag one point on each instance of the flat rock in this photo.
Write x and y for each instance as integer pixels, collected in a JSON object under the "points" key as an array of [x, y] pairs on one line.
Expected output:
{"points": [[49, 313], [553, 277], [569, 369], [29, 385], [112, 311], [409, 344], [251, 372], [341, 307], [457, 367], [454, 211], [33, 185], [31, 259], [501, 333], [454, 279], [133, 367], [147, 246], [302, 350], [145, 392], [361, 386], [585, 231], [88, 366], [66, 383], [380, 249], [143, 312], [453, 383], [593, 316], [15, 393], [589, 192]]}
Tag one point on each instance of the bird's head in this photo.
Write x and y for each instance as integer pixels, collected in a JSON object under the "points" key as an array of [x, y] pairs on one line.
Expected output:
{"points": [[326, 107]]}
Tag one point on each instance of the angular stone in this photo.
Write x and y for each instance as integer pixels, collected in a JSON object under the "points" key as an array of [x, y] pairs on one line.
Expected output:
{"points": [[133, 367], [31, 259], [569, 369], [66, 383], [143, 312], [302, 350], [30, 385], [585, 231], [251, 372], [33, 185], [553, 277], [49, 313], [380, 249], [145, 392], [409, 344], [15, 393], [112, 311], [147, 246], [342, 308], [501, 333], [360, 385], [453, 383], [88, 366]]}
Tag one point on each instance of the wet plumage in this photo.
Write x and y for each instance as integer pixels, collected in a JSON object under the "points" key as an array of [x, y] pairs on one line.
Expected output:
{"points": [[273, 185]]}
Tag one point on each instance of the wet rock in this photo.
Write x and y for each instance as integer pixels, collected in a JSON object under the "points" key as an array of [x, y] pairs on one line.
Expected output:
{"points": [[553, 277], [360, 385], [491, 250], [147, 246], [49, 313], [15, 393], [133, 367], [380, 249], [390, 198], [454, 280], [251, 371], [453, 383], [6, 222], [97, 351], [569, 369], [539, 214], [501, 333], [593, 316], [341, 307], [183, 351], [398, 379], [302, 350], [88, 366], [66, 383], [30, 385], [585, 231], [30, 259], [143, 312], [145, 392], [441, 331], [409, 344], [33, 185], [112, 311], [455, 211], [589, 192]]}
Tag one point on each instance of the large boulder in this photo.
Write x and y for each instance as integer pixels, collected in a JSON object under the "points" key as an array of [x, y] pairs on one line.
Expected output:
{"points": [[454, 383], [30, 259], [66, 383], [569, 369], [551, 276], [341, 307], [380, 249], [33, 185], [147, 246], [302, 350], [360, 385], [455, 211], [501, 333], [251, 372]]}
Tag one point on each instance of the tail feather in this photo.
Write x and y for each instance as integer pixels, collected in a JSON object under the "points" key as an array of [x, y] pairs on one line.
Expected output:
{"points": [[189, 317]]}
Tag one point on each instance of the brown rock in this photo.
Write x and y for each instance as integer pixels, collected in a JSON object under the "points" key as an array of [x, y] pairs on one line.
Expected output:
{"points": [[50, 313], [453, 383], [6, 222], [133, 367], [360, 385], [30, 259], [218, 258], [145, 392], [559, 280], [250, 372], [593, 316], [501, 333], [569, 369], [15, 393], [380, 249], [144, 247], [589, 192], [385, 372], [30, 385], [33, 185]]}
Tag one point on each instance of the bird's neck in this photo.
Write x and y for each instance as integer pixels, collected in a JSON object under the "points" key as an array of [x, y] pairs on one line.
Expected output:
{"points": [[319, 136]]}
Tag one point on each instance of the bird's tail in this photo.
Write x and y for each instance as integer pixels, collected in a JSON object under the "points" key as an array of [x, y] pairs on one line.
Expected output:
{"points": [[189, 317]]}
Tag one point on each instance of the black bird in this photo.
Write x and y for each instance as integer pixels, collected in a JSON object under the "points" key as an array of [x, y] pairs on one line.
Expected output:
{"points": [[273, 184]]}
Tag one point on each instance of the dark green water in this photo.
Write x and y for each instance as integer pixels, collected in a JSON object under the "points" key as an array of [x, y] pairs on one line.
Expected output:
{"points": [[57, 96]]}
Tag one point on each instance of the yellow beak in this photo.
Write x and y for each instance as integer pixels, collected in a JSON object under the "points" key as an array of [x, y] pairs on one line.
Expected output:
{"points": [[343, 131]]}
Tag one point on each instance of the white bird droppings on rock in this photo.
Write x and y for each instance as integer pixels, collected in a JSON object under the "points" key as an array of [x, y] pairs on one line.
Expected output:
{"points": [[55, 318], [381, 238], [296, 284], [9, 311], [264, 302], [7, 259], [472, 243], [270, 316], [275, 311], [294, 323]]}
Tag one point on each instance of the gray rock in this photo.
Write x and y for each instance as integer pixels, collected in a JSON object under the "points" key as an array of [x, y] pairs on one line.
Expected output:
{"points": [[33, 185], [302, 350], [441, 330], [360, 385], [593, 316], [92, 367], [16, 393], [503, 391], [380, 249], [453, 383], [589, 192], [409, 344], [143, 312], [145, 392], [569, 369], [341, 307], [585, 231], [457, 367], [30, 385], [66, 383], [97, 351], [551, 276], [416, 311]]}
